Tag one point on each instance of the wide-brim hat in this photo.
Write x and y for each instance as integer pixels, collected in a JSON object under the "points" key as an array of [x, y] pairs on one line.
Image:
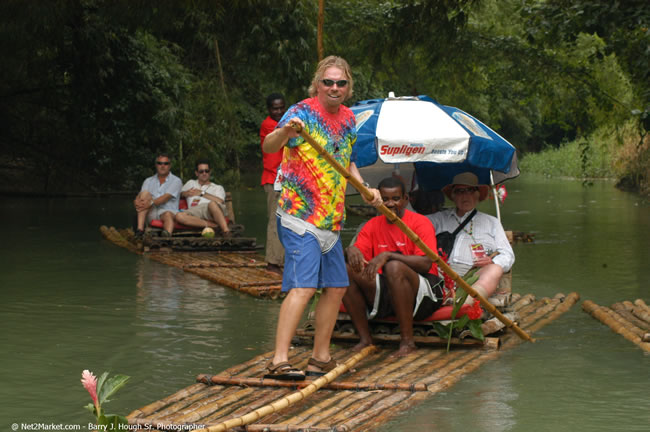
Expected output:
{"points": [[466, 179]]}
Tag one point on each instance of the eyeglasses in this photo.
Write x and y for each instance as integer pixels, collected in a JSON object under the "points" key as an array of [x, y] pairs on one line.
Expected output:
{"points": [[162, 163], [330, 83], [461, 191], [203, 171]]}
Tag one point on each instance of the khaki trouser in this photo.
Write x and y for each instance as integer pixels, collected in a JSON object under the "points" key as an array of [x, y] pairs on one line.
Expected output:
{"points": [[274, 249]]}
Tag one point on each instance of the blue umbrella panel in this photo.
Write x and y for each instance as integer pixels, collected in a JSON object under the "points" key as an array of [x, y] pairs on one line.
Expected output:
{"points": [[438, 140]]}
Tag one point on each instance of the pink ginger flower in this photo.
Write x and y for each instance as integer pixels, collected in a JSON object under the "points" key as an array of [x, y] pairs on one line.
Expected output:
{"points": [[89, 382]]}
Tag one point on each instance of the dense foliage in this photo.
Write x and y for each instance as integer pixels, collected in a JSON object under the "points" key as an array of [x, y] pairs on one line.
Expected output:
{"points": [[92, 89]]}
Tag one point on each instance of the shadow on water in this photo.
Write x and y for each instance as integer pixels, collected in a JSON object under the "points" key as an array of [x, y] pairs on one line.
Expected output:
{"points": [[72, 301]]}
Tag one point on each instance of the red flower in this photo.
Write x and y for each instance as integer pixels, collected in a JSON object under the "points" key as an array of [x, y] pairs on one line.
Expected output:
{"points": [[476, 311], [89, 382]]}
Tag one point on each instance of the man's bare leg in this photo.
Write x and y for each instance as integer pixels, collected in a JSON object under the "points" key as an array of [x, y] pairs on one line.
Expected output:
{"points": [[487, 282], [327, 310], [356, 303], [193, 221], [291, 311], [403, 284], [168, 221], [141, 203]]}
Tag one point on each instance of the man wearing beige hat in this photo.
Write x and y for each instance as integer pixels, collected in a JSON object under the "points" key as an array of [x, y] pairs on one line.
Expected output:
{"points": [[481, 237]]}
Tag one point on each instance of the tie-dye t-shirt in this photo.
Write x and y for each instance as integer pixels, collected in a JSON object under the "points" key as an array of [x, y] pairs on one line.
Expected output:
{"points": [[312, 189]]}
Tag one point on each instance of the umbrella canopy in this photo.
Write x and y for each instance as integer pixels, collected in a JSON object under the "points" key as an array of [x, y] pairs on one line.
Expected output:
{"points": [[440, 141]]}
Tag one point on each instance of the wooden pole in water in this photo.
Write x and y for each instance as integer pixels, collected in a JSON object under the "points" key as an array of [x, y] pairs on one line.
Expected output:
{"points": [[293, 397], [411, 235], [321, 18]]}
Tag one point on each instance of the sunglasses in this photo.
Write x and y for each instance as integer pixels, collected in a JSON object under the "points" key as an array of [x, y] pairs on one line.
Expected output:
{"points": [[461, 191], [203, 171], [330, 83], [163, 163]]}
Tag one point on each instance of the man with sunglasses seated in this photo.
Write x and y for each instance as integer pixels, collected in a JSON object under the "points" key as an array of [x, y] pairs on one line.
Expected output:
{"points": [[206, 201], [480, 238], [158, 198]]}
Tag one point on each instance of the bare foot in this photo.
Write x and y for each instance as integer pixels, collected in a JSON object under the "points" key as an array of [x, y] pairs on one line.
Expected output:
{"points": [[274, 268], [405, 350], [361, 345]]}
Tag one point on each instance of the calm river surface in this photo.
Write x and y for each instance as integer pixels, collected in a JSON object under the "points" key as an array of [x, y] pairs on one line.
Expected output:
{"points": [[73, 301]]}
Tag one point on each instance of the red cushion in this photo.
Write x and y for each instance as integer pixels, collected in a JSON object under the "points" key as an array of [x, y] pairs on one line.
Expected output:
{"points": [[474, 311]]}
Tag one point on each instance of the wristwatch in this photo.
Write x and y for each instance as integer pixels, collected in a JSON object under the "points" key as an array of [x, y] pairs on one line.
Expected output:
{"points": [[366, 185]]}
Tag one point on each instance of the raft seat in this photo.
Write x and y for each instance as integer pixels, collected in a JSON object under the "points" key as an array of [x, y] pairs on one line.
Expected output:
{"points": [[182, 205]]}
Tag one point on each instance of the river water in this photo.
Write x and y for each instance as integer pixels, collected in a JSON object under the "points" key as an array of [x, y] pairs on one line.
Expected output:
{"points": [[73, 301]]}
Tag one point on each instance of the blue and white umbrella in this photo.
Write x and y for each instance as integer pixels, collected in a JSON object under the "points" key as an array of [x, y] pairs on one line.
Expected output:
{"points": [[438, 140]]}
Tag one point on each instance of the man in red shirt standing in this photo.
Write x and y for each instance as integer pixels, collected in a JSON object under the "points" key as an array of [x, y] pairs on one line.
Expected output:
{"points": [[276, 106], [391, 275]]}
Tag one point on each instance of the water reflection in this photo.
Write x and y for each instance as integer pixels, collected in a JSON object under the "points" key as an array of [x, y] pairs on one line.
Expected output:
{"points": [[196, 320], [484, 404]]}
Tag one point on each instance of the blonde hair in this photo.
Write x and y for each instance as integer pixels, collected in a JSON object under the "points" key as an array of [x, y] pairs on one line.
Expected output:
{"points": [[323, 65]]}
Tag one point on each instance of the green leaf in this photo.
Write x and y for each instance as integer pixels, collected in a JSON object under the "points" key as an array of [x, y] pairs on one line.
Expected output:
{"points": [[113, 421], [442, 329], [90, 407], [462, 322], [100, 386], [475, 327], [459, 301], [111, 386]]}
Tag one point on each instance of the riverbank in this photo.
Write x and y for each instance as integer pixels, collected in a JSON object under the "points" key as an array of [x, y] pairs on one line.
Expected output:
{"points": [[622, 155]]}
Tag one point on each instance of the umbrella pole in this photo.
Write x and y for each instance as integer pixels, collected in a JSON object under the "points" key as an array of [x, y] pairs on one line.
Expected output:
{"points": [[496, 196], [411, 235]]}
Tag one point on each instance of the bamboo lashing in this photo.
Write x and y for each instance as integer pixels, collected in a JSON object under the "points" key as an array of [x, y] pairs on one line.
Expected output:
{"points": [[410, 234], [294, 397]]}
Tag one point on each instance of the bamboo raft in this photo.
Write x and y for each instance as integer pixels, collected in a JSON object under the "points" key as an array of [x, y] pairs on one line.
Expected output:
{"points": [[244, 270], [631, 320], [375, 388]]}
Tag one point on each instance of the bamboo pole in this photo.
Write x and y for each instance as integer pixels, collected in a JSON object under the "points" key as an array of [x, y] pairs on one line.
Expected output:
{"points": [[345, 385], [287, 428], [155, 406], [335, 403], [601, 315], [411, 235], [640, 303], [294, 397], [641, 313], [562, 308], [390, 338], [627, 314]]}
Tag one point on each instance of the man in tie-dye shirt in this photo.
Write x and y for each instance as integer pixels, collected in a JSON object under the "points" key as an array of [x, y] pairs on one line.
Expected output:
{"points": [[311, 213]]}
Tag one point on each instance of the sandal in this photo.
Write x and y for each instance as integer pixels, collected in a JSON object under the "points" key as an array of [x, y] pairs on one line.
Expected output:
{"points": [[284, 371], [323, 366]]}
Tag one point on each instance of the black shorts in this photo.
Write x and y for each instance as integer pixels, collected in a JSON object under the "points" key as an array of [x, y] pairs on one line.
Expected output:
{"points": [[430, 297]]}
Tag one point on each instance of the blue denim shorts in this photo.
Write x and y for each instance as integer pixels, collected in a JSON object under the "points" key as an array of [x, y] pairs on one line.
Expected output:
{"points": [[305, 266]]}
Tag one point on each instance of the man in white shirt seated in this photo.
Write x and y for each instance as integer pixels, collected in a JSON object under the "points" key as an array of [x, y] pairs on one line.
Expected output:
{"points": [[478, 239], [158, 198], [206, 201]]}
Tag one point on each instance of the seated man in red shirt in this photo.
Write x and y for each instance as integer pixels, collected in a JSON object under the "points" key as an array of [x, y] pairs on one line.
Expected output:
{"points": [[389, 274]]}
